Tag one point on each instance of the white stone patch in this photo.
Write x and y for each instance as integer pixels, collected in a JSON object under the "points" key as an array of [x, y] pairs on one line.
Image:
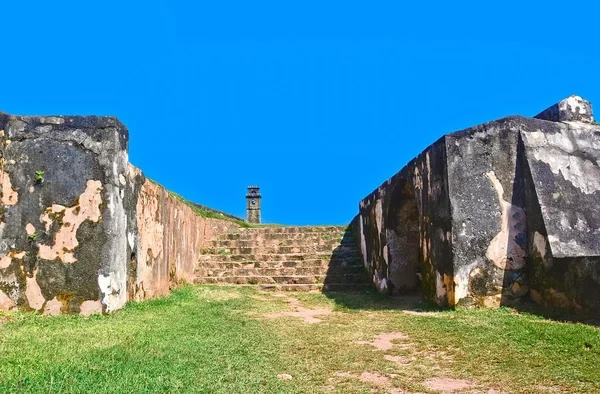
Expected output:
{"points": [[440, 289], [113, 296], [385, 256], [573, 102], [51, 120], [539, 244], [581, 173], [461, 281], [131, 240], [363, 243], [504, 251], [556, 149], [383, 285], [379, 215]]}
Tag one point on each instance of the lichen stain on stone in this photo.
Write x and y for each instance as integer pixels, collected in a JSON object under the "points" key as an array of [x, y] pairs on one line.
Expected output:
{"points": [[35, 299], [65, 243], [9, 195], [504, 251], [7, 259]]}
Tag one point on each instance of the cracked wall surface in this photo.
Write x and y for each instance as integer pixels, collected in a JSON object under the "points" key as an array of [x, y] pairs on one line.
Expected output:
{"points": [[81, 230], [515, 215]]}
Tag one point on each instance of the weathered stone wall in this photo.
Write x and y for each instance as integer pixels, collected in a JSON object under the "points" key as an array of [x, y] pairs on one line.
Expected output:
{"points": [[505, 211], [489, 238], [564, 216], [63, 218], [404, 229], [169, 239], [81, 230]]}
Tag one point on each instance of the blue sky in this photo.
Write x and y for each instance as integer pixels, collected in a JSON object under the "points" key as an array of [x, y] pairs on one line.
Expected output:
{"points": [[318, 103]]}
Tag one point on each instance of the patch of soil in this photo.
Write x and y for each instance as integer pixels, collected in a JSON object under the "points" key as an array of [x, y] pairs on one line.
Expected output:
{"points": [[448, 385], [375, 379], [308, 315], [384, 340]]}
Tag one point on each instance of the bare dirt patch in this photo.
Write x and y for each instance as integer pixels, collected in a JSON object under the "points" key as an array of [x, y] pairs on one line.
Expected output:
{"points": [[448, 385], [384, 340], [381, 382], [308, 315]]}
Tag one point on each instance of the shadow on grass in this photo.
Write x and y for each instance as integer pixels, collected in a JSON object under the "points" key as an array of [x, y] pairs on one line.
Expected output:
{"points": [[347, 283], [532, 308], [374, 301]]}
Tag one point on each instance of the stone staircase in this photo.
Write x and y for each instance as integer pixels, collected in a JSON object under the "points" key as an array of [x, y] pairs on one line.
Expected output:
{"points": [[284, 258]]}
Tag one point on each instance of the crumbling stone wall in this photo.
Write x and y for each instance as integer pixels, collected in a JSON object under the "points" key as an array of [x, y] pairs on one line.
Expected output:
{"points": [[516, 214], [81, 230]]}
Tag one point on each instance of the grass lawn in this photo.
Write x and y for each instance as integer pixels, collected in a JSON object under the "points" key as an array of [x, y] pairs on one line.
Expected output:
{"points": [[237, 340]]}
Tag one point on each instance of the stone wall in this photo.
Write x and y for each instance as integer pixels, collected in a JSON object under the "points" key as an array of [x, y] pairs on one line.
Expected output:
{"points": [[405, 229], [500, 212], [165, 238], [81, 230]]}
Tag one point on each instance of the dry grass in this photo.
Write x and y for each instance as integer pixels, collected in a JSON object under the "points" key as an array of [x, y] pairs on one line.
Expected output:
{"points": [[219, 339]]}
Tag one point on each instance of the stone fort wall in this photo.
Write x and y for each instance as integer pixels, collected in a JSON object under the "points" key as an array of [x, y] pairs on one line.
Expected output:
{"points": [[81, 229], [493, 215]]}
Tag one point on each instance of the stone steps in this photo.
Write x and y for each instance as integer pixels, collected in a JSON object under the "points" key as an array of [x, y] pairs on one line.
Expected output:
{"points": [[276, 249], [254, 243], [281, 271], [280, 264], [284, 258], [284, 279], [270, 257], [304, 287], [283, 236]]}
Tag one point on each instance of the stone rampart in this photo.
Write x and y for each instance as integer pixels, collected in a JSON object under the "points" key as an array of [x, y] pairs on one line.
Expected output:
{"points": [[494, 214], [81, 230]]}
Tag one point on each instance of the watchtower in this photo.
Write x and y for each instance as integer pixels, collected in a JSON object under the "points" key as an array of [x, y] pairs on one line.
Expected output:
{"points": [[253, 204]]}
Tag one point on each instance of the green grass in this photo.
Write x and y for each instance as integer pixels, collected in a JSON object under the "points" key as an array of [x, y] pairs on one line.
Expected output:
{"points": [[216, 340]]}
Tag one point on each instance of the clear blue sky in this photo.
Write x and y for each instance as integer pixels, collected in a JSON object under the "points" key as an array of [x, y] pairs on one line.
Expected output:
{"points": [[318, 103]]}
